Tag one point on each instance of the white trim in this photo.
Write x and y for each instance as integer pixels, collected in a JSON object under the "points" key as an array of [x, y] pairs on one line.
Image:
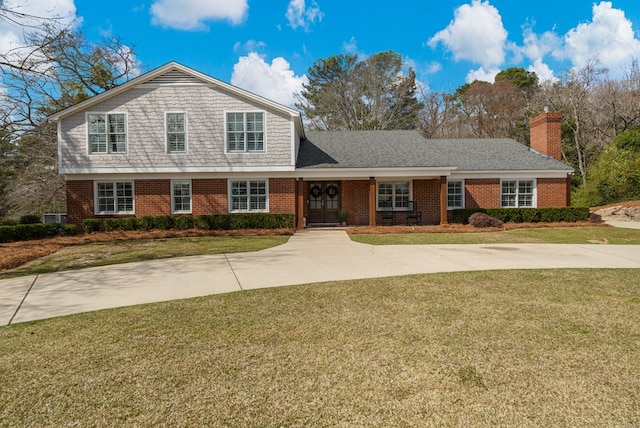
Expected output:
{"points": [[246, 150], [179, 170], [166, 133], [534, 202], [126, 133], [95, 197], [350, 173], [457, 180], [247, 179], [173, 210], [59, 138], [515, 175]]}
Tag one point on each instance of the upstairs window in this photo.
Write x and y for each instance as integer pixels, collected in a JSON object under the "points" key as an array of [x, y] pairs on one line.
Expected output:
{"points": [[455, 195], [517, 194], [245, 132], [176, 132], [107, 133]]}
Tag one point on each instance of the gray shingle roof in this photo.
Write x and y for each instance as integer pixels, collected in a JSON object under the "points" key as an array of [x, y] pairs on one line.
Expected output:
{"points": [[408, 149]]}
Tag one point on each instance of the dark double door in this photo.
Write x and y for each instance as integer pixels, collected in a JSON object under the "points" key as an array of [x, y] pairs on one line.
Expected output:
{"points": [[324, 202]]}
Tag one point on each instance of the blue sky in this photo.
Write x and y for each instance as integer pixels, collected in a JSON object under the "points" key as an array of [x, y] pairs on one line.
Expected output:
{"points": [[267, 46]]}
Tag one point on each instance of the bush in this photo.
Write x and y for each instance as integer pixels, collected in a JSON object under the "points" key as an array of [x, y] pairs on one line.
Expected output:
{"points": [[145, 222], [30, 219], [69, 229], [91, 225], [8, 222], [184, 222], [526, 215], [163, 222], [22, 232], [120, 223], [484, 220]]}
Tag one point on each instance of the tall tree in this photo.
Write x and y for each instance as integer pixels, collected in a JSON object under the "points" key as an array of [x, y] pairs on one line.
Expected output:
{"points": [[375, 93], [55, 68]]}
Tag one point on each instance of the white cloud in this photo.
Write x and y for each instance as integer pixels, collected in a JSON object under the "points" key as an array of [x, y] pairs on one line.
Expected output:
{"points": [[249, 46], [191, 14], [351, 46], [301, 16], [609, 36], [542, 70], [483, 75], [476, 34], [275, 81]]}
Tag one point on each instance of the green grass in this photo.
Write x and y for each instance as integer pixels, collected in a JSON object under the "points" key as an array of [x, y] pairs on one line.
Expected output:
{"points": [[115, 252], [567, 235], [495, 348]]}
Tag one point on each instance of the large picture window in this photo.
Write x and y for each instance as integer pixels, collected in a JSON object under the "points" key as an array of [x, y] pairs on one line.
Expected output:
{"points": [[249, 195], [181, 197], [455, 194], [114, 198], [394, 194], [245, 132], [107, 132], [176, 132], [517, 194]]}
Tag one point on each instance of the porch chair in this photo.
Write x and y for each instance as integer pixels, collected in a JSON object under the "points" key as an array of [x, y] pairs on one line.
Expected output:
{"points": [[388, 214], [413, 214]]}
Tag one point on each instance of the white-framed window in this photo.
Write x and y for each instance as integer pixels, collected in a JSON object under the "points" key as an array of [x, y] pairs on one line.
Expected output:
{"points": [[248, 196], [181, 197], [107, 132], [455, 194], [517, 193], [393, 194], [245, 131], [176, 127], [114, 197]]}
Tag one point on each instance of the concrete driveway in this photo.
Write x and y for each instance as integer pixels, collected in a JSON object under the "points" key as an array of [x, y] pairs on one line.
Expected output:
{"points": [[308, 256]]}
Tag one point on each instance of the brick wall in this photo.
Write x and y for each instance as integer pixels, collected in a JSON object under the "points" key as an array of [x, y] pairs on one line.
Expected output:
{"points": [[552, 192], [482, 193], [152, 197], [209, 196], [355, 201], [79, 201], [282, 195], [426, 194]]}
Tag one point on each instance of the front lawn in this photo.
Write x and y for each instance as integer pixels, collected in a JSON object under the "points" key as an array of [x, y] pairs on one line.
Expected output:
{"points": [[496, 348]]}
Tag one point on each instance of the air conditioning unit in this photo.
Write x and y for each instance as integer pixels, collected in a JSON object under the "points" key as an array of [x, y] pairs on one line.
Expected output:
{"points": [[55, 218]]}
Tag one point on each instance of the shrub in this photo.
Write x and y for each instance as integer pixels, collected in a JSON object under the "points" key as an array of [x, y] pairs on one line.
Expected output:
{"points": [[91, 225], [22, 232], [484, 220], [184, 222], [526, 215], [30, 219], [163, 222], [69, 229], [120, 223], [145, 222], [8, 222]]}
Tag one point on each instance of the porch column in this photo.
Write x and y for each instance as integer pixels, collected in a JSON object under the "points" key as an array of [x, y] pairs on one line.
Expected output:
{"points": [[372, 201], [300, 204], [443, 200]]}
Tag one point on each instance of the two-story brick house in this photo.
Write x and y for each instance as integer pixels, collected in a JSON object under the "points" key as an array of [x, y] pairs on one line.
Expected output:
{"points": [[175, 141]]}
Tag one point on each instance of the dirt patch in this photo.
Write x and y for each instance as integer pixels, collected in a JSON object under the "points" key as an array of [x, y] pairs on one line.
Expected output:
{"points": [[14, 254]]}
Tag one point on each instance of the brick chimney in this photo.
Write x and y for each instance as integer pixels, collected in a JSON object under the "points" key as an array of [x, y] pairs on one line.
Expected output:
{"points": [[545, 132]]}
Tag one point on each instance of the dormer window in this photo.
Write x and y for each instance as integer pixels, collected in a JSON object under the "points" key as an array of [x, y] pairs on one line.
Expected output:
{"points": [[245, 132], [107, 132]]}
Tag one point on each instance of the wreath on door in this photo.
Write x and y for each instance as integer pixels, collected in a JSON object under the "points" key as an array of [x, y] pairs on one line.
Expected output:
{"points": [[332, 191], [316, 191]]}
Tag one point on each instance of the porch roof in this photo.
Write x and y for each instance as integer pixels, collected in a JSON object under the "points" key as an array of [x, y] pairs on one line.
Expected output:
{"points": [[408, 149]]}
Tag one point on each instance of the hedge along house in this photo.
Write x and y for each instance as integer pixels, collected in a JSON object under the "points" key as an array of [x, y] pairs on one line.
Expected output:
{"points": [[175, 141]]}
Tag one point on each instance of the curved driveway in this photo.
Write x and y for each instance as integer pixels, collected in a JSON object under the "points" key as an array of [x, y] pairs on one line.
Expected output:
{"points": [[308, 256]]}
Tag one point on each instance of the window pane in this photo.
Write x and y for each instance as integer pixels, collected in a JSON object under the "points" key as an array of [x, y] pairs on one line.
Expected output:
{"points": [[182, 196], [402, 194], [97, 124]]}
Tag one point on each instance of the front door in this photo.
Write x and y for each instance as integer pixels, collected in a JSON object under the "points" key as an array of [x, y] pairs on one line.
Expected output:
{"points": [[324, 202]]}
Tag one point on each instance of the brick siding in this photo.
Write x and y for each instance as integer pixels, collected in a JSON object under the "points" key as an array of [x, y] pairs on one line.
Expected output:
{"points": [[482, 193]]}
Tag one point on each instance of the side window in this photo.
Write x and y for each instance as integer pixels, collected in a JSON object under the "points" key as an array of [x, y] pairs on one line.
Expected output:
{"points": [[114, 197], [176, 125], [181, 197], [107, 132], [455, 194]]}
